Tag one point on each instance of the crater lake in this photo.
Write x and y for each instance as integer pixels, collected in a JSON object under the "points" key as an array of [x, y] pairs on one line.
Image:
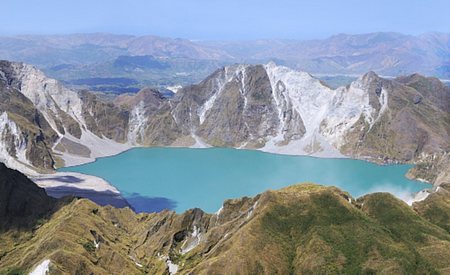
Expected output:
{"points": [[153, 179]]}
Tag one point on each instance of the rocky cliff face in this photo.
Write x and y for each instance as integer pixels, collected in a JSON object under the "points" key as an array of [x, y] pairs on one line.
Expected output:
{"points": [[145, 127], [104, 119], [276, 109], [266, 107], [300, 229], [44, 123], [411, 120], [26, 135]]}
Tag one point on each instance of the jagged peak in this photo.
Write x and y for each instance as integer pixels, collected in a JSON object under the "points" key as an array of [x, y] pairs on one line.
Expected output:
{"points": [[146, 95], [18, 67], [19, 73], [274, 65], [238, 69], [271, 63], [4, 62], [150, 91], [283, 71], [365, 80], [226, 73], [370, 76]]}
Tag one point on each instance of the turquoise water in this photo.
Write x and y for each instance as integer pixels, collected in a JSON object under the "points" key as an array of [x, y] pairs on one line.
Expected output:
{"points": [[152, 179]]}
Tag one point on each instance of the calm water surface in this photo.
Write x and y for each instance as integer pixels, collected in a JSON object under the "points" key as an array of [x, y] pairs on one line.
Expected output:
{"points": [[152, 179]]}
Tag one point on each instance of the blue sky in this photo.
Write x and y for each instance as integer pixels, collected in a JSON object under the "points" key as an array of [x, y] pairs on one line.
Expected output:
{"points": [[224, 19]]}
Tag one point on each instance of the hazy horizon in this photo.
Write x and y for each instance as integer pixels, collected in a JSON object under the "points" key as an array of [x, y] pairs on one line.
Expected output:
{"points": [[225, 20], [215, 40]]}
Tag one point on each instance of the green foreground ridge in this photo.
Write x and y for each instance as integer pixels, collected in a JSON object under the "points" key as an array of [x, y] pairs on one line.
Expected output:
{"points": [[302, 229]]}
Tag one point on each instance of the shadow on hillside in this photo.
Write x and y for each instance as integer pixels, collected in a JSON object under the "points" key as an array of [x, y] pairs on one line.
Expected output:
{"points": [[100, 198], [148, 204], [135, 201]]}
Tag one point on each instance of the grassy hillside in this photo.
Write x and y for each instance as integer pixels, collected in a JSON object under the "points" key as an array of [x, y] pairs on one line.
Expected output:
{"points": [[302, 229]]}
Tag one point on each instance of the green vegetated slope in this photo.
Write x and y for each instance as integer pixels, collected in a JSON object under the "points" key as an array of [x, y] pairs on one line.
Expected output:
{"points": [[302, 229]]}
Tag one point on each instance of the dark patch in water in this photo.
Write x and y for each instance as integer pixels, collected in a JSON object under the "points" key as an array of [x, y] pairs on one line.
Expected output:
{"points": [[100, 198], [142, 204]]}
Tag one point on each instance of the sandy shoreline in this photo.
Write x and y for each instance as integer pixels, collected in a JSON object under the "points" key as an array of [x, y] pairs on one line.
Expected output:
{"points": [[74, 180]]}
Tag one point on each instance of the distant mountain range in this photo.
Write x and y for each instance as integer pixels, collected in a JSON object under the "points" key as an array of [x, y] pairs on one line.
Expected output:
{"points": [[385, 53], [158, 61], [93, 48]]}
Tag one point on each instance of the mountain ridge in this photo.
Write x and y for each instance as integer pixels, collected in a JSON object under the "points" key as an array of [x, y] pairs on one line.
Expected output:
{"points": [[162, 62], [273, 108]]}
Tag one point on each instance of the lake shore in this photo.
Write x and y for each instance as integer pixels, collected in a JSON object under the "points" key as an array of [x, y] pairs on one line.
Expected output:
{"points": [[406, 196]]}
